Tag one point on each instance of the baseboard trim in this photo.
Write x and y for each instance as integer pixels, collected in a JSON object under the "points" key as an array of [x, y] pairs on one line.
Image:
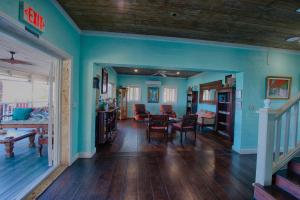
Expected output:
{"points": [[86, 154], [245, 151], [74, 158], [82, 155]]}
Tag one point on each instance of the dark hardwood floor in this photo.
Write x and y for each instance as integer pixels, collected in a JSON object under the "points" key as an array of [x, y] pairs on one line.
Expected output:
{"points": [[131, 168]]}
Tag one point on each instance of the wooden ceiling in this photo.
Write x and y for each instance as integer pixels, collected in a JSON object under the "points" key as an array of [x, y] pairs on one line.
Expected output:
{"points": [[256, 22], [151, 72]]}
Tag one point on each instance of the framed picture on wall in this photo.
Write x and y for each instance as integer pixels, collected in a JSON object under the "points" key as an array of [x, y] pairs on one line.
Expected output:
{"points": [[153, 94], [104, 83], [278, 87]]}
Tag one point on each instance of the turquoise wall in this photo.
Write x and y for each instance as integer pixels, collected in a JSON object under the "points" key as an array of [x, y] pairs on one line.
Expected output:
{"points": [[61, 34], [179, 83], [253, 63]]}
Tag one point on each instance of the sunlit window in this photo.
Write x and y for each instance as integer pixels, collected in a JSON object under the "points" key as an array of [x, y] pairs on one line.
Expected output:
{"points": [[134, 94], [35, 93], [170, 95]]}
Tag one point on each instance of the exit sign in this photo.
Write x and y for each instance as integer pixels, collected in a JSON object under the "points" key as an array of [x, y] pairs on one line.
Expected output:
{"points": [[31, 18]]}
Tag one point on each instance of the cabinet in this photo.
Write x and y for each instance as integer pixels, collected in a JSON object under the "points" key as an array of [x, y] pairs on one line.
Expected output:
{"points": [[225, 112], [192, 102], [106, 126], [122, 103]]}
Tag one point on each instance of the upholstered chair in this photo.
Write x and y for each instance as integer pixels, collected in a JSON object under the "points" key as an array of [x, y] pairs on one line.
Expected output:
{"points": [[167, 110], [140, 112]]}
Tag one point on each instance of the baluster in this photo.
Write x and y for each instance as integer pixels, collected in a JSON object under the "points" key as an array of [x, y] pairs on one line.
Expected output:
{"points": [[265, 146], [287, 132], [296, 116], [278, 138]]}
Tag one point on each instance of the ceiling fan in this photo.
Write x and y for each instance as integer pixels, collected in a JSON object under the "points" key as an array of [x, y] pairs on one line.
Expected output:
{"points": [[13, 61], [165, 73]]}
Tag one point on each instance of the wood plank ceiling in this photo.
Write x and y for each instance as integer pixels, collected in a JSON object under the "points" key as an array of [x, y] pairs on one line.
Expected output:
{"points": [[256, 22], [155, 72]]}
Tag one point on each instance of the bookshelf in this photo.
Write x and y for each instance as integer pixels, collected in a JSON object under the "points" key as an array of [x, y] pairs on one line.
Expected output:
{"points": [[225, 112], [192, 102]]}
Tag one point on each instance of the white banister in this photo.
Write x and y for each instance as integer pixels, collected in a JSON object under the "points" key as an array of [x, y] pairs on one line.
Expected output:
{"points": [[278, 137], [287, 132], [295, 129], [272, 153], [265, 147]]}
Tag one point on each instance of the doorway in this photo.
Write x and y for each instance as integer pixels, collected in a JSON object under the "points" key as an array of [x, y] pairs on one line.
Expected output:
{"points": [[29, 114]]}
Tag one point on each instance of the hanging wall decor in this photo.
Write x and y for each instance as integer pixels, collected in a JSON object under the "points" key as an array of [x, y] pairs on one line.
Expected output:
{"points": [[104, 83], [153, 94], [278, 87]]}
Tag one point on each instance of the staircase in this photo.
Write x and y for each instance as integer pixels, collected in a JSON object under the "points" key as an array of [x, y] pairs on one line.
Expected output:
{"points": [[278, 168], [286, 184]]}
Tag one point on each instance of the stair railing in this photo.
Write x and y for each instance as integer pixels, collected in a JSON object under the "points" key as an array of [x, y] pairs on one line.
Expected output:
{"points": [[277, 138]]}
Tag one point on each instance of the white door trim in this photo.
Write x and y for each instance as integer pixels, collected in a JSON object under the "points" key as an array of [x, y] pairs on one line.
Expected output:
{"points": [[13, 29]]}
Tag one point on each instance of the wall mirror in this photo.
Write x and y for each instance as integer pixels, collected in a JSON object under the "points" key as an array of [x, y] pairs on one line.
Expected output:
{"points": [[208, 92]]}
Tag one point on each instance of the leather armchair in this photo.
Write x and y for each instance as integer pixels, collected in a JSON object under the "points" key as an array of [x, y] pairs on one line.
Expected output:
{"points": [[167, 110], [140, 112]]}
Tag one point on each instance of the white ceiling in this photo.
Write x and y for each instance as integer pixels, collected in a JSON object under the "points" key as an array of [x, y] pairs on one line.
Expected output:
{"points": [[41, 61]]}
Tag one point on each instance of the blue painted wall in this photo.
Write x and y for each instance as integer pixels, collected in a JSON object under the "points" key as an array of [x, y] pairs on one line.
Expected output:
{"points": [[254, 63], [61, 34], [140, 81]]}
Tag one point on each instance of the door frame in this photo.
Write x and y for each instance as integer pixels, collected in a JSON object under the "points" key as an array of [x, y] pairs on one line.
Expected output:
{"points": [[13, 29]]}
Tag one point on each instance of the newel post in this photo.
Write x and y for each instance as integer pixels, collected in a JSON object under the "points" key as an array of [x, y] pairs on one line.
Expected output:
{"points": [[265, 146]]}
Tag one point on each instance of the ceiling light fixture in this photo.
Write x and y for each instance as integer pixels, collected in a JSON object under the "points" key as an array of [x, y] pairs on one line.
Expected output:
{"points": [[177, 73], [293, 39], [136, 70]]}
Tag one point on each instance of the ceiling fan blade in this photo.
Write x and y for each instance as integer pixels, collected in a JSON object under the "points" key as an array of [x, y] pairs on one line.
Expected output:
{"points": [[163, 75], [14, 61]]}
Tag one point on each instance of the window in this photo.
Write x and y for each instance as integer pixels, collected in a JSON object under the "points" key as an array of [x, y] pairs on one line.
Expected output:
{"points": [[111, 90], [170, 95], [22, 91], [134, 94]]}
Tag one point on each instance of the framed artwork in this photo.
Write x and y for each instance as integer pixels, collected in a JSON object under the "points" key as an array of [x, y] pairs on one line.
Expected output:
{"points": [[278, 87], [104, 83], [153, 94]]}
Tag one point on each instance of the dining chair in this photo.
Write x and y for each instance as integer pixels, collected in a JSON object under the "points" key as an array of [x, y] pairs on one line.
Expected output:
{"points": [[157, 123], [188, 123]]}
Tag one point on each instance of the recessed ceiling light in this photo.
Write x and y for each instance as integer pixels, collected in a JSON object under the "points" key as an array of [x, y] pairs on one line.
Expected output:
{"points": [[298, 10], [136, 70], [293, 39], [177, 73]]}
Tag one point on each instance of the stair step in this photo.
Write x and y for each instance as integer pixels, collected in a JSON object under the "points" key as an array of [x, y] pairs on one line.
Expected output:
{"points": [[294, 165], [271, 193], [288, 181]]}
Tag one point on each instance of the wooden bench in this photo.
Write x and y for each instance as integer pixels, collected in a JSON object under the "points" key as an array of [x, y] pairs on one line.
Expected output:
{"points": [[13, 136]]}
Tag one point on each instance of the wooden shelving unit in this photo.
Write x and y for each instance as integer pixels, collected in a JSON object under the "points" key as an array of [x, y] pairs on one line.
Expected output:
{"points": [[192, 102], [106, 126], [225, 112]]}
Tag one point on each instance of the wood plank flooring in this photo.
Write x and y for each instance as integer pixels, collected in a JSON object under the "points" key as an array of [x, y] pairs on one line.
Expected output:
{"points": [[132, 169], [18, 172]]}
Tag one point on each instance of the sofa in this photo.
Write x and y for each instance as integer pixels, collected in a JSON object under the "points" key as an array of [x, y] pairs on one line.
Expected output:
{"points": [[206, 119], [25, 118]]}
